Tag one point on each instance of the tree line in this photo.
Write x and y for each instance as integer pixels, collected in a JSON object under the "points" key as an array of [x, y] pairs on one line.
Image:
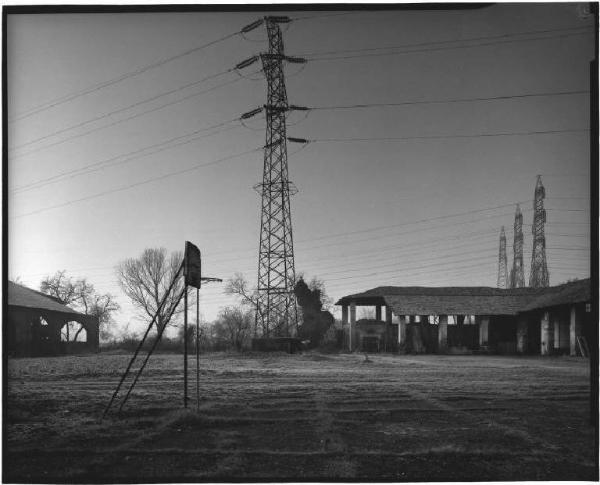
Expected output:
{"points": [[145, 280]]}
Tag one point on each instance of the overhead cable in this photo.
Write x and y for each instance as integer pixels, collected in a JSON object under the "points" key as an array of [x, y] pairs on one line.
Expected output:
{"points": [[315, 57], [137, 184], [124, 158], [120, 110], [122, 77], [129, 118]]}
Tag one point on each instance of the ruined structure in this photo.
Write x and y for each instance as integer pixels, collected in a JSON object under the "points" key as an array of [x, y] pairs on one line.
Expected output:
{"points": [[37, 325], [544, 321], [315, 321]]}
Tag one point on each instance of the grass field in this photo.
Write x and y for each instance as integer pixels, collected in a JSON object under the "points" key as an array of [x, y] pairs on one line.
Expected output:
{"points": [[302, 417]]}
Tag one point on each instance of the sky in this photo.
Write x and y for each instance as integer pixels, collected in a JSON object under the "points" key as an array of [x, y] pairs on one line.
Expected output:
{"points": [[124, 134]]}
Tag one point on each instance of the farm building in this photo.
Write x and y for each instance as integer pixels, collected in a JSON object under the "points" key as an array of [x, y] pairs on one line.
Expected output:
{"points": [[37, 325], [553, 320]]}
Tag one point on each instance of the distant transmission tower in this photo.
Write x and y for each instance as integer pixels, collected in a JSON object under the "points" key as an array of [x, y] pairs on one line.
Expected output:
{"points": [[517, 277], [539, 277], [277, 313], [502, 279]]}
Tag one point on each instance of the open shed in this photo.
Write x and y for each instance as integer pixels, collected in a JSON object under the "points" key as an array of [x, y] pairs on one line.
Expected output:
{"points": [[441, 319], [38, 325]]}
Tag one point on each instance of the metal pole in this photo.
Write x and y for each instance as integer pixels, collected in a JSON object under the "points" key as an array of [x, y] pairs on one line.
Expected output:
{"points": [[197, 349], [185, 345]]}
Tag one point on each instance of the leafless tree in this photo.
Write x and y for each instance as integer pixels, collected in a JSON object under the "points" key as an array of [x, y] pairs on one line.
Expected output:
{"points": [[82, 296], [61, 287], [234, 324], [238, 285], [146, 279]]}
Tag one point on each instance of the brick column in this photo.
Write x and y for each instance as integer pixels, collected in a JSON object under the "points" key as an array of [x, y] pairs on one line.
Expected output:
{"points": [[484, 324], [522, 334], [388, 315], [378, 312], [546, 334], [556, 328], [443, 334], [344, 314], [402, 330], [573, 332]]}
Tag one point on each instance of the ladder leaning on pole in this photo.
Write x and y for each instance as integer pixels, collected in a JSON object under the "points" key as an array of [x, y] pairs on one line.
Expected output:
{"points": [[191, 266]]}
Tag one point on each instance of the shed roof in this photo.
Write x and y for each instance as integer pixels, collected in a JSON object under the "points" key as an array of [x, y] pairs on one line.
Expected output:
{"points": [[21, 296], [574, 292], [470, 300]]}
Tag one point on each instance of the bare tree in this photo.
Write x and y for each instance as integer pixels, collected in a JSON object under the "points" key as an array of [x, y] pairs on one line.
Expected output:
{"points": [[146, 279], [238, 285], [82, 296], [103, 307], [61, 287], [234, 324]]}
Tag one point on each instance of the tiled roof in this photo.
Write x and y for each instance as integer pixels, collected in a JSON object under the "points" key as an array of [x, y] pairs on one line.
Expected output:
{"points": [[22, 296], [470, 300]]}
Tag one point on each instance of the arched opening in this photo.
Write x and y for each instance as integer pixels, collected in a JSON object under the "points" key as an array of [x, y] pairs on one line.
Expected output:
{"points": [[73, 332]]}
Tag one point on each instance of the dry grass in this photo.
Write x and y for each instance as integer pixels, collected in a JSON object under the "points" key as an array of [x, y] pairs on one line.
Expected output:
{"points": [[306, 417]]}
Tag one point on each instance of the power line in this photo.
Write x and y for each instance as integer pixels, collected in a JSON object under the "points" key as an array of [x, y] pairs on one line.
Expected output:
{"points": [[443, 48], [446, 41], [447, 101], [137, 115], [137, 184], [128, 157], [120, 110], [441, 137], [339, 14], [122, 77]]}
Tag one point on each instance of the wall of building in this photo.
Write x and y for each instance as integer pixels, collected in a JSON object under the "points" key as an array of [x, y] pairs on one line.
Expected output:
{"points": [[29, 335]]}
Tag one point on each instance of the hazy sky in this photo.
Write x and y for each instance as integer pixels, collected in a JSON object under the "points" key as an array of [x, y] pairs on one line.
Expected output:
{"points": [[85, 134]]}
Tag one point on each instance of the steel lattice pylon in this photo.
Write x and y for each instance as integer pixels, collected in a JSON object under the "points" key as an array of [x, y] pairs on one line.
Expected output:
{"points": [[276, 310], [539, 277], [502, 277], [517, 277]]}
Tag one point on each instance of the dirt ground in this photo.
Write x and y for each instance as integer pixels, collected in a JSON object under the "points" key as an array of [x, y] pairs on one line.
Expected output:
{"points": [[302, 417]]}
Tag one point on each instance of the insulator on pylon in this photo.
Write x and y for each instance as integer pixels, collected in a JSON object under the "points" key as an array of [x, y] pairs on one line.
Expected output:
{"points": [[250, 114], [247, 62], [293, 107], [252, 26], [297, 140]]}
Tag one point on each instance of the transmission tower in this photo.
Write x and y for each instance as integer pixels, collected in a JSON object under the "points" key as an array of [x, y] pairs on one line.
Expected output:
{"points": [[517, 278], [539, 277], [277, 313], [502, 278]]}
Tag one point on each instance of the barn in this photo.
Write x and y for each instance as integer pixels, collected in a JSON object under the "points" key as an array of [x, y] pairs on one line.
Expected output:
{"points": [[552, 320], [36, 324]]}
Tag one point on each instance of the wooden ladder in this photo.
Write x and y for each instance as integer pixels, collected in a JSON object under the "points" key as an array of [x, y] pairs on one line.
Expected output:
{"points": [[583, 347]]}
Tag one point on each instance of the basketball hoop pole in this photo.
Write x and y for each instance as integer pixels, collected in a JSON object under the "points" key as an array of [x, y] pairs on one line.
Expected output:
{"points": [[192, 264]]}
